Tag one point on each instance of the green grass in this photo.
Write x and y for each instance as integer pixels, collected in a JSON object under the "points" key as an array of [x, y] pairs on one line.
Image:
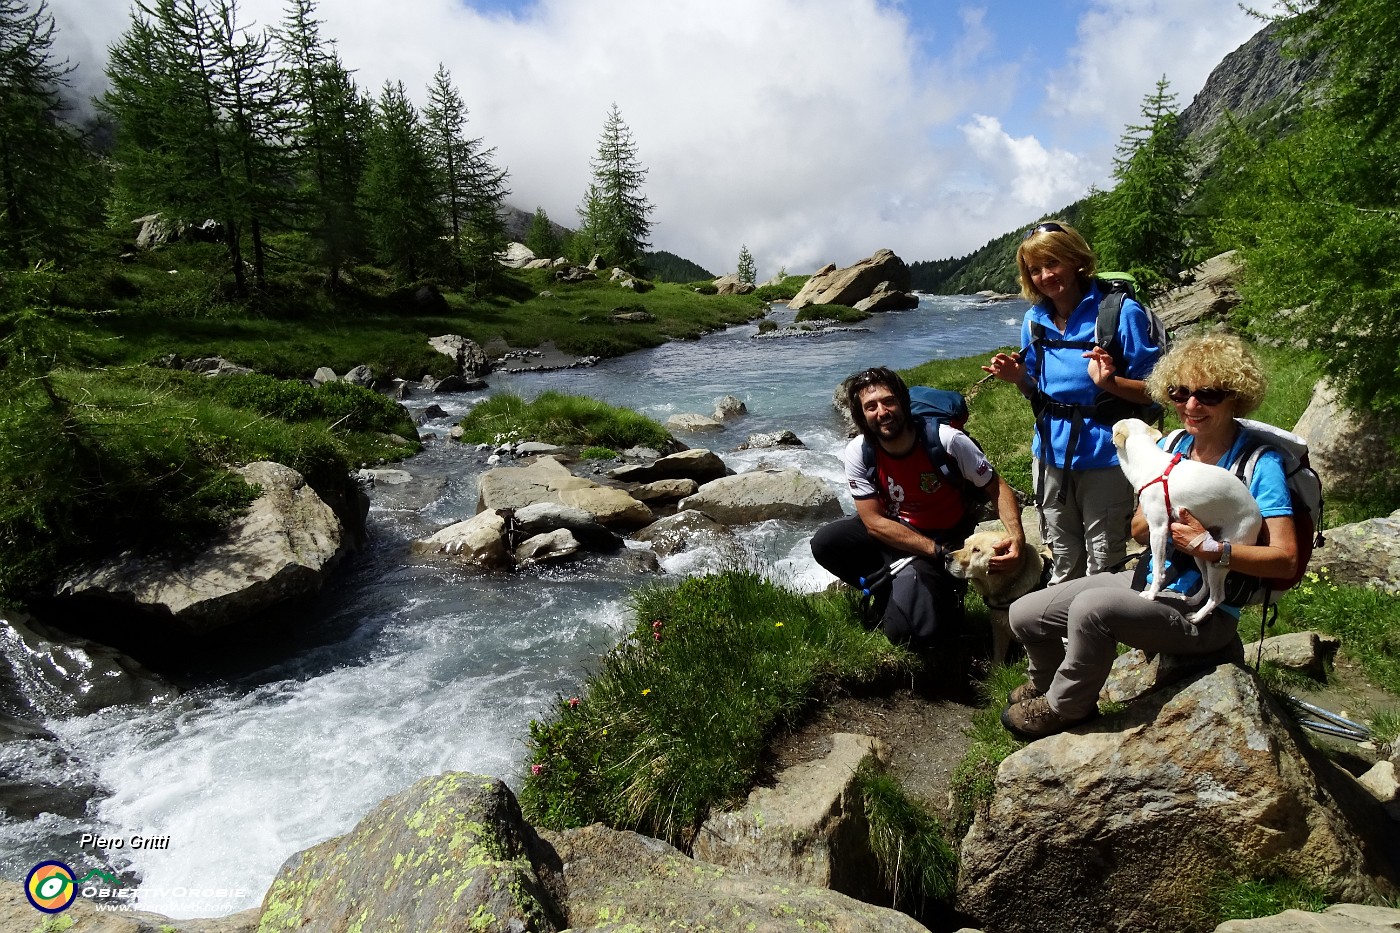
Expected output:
{"points": [[560, 418], [676, 720], [1366, 620], [138, 459], [1247, 900], [785, 290], [910, 844], [975, 776]]}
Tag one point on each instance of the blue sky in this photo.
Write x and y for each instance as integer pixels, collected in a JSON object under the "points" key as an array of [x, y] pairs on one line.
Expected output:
{"points": [[811, 131]]}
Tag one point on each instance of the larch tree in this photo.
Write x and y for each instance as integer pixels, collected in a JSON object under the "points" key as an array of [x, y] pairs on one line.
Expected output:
{"points": [[472, 188], [1316, 216], [615, 212], [45, 176], [330, 126], [746, 272], [399, 194], [541, 238], [1141, 226]]}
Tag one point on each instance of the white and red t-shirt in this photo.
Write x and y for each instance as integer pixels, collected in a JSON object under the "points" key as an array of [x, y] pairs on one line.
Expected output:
{"points": [[913, 488]]}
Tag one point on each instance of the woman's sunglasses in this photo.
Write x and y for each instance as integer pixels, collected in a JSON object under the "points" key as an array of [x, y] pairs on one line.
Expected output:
{"points": [[1043, 228], [1212, 397]]}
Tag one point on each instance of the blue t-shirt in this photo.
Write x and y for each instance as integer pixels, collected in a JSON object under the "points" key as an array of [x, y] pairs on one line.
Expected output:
{"points": [[1268, 486], [1063, 374]]}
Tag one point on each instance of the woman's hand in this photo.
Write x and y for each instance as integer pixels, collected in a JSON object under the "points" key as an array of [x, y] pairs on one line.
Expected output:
{"points": [[1101, 368], [1008, 367], [1185, 530]]}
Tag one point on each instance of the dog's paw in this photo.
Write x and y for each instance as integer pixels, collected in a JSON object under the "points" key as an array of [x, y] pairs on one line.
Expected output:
{"points": [[1149, 594]]}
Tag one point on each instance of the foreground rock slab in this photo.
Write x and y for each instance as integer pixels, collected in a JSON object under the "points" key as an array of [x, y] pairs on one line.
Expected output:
{"points": [[810, 827], [1339, 918], [449, 853], [620, 881], [1115, 824], [281, 550]]}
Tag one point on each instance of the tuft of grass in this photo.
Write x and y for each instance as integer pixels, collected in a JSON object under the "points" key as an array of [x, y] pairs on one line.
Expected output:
{"points": [[560, 418], [1366, 620], [1267, 897], [598, 453], [785, 290], [842, 314], [910, 844], [974, 779], [676, 720]]}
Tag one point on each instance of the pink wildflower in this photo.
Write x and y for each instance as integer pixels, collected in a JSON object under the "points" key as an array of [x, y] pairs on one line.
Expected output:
{"points": [[536, 769], [573, 702]]}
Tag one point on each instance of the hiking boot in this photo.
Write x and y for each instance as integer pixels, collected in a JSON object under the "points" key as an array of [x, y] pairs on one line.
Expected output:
{"points": [[1034, 719], [1026, 691]]}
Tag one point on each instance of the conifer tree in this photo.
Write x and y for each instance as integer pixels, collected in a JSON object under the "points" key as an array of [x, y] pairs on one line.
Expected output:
{"points": [[615, 213], [472, 188], [746, 271], [45, 177], [1141, 226], [1316, 215], [198, 119], [541, 238], [399, 193], [330, 126]]}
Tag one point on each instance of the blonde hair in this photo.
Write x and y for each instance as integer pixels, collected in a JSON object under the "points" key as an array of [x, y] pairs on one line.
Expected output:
{"points": [[1217, 360], [1066, 244]]}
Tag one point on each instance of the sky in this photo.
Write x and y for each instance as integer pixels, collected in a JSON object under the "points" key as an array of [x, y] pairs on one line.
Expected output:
{"points": [[810, 131]]}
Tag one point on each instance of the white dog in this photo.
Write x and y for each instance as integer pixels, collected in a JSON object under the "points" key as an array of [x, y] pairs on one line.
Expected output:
{"points": [[972, 562], [1214, 495]]}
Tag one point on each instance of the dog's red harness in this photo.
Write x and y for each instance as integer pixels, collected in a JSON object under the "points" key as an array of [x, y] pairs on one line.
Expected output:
{"points": [[1166, 490]]}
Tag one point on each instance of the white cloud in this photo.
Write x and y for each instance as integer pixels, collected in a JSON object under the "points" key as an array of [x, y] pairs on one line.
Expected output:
{"points": [[810, 130]]}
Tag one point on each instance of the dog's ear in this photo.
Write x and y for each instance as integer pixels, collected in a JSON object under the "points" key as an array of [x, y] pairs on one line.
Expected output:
{"points": [[1154, 434]]}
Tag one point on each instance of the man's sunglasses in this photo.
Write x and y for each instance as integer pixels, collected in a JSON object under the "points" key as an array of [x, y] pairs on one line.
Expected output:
{"points": [[1212, 397], [1043, 228]]}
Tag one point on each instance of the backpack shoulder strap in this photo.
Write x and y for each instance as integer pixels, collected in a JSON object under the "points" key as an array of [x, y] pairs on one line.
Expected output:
{"points": [[938, 454], [1106, 325], [1174, 438]]}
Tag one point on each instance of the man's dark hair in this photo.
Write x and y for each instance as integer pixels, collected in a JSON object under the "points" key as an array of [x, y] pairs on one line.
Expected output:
{"points": [[879, 376]]}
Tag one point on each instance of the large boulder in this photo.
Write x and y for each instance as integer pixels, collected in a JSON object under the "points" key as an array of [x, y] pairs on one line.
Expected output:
{"points": [[472, 361], [1353, 452], [760, 495], [548, 480], [855, 283], [1115, 824], [1211, 296], [516, 256], [545, 517], [480, 541], [810, 827], [1364, 553], [282, 549], [886, 297], [693, 422], [697, 463], [450, 853], [49, 675], [688, 531], [620, 881], [732, 285]]}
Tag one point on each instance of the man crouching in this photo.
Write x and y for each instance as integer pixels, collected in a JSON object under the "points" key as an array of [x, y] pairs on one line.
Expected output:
{"points": [[908, 476]]}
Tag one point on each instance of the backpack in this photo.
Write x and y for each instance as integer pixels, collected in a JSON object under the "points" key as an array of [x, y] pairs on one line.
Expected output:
{"points": [[946, 405], [1304, 489]]}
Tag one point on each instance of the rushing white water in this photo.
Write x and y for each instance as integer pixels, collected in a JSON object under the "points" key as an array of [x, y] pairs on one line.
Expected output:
{"points": [[411, 666]]}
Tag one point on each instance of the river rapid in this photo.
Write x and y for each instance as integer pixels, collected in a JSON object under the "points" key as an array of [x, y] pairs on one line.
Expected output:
{"points": [[407, 667]]}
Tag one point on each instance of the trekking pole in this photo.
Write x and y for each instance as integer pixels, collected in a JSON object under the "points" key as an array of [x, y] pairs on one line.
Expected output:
{"points": [[884, 575], [1327, 728], [1332, 718]]}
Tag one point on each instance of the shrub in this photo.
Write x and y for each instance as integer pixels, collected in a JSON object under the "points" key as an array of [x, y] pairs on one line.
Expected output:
{"points": [[706, 288], [766, 326]]}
